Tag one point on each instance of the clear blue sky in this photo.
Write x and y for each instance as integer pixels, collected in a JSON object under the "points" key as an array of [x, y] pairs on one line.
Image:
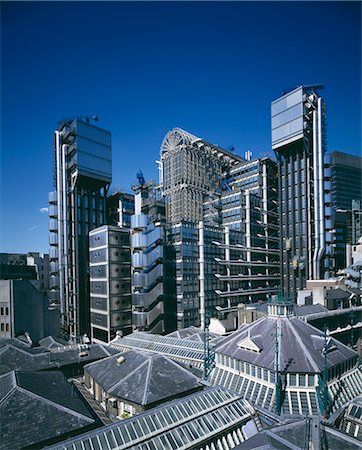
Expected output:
{"points": [[210, 68]]}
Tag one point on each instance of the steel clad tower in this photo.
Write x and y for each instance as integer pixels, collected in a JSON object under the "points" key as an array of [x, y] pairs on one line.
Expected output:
{"points": [[82, 175], [305, 213]]}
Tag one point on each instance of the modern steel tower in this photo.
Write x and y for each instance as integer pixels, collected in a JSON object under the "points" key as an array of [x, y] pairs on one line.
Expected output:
{"points": [[299, 139], [82, 175]]}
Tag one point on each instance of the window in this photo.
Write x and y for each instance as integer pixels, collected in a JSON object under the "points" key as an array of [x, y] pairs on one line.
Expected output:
{"points": [[7, 327], [2, 311], [2, 327]]}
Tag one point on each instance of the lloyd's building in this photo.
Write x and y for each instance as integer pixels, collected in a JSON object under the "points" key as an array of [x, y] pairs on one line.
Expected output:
{"points": [[305, 208]]}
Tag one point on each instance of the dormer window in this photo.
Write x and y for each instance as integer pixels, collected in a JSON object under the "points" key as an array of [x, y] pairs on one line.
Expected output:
{"points": [[251, 343]]}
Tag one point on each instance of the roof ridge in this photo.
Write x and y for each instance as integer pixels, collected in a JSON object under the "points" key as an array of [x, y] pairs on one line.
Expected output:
{"points": [[14, 384], [144, 398], [55, 405], [127, 376], [303, 347], [182, 368], [105, 350]]}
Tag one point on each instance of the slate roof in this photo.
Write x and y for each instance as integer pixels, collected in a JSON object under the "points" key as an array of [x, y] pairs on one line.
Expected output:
{"points": [[300, 344], [337, 294], [143, 378], [38, 406], [15, 356], [305, 310]]}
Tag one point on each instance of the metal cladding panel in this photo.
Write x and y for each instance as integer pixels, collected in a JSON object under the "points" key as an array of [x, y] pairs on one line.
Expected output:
{"points": [[120, 303], [99, 319], [120, 271], [99, 271], [97, 239], [100, 303], [94, 152], [287, 118], [98, 287], [97, 256]]}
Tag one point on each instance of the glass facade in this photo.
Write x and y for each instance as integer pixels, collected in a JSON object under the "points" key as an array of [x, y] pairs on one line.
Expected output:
{"points": [[287, 117]]}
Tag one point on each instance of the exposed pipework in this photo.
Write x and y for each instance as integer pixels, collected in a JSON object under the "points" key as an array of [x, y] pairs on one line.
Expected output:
{"points": [[64, 256], [202, 273], [321, 187], [60, 224], [316, 197]]}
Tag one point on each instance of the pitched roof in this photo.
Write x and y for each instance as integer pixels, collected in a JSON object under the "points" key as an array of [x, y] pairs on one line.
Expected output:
{"points": [[305, 310], [300, 345], [37, 406], [14, 356], [191, 422], [142, 377]]}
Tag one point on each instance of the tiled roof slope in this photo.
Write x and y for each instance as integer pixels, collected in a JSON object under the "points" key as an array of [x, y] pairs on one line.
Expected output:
{"points": [[142, 377], [16, 357], [38, 406]]}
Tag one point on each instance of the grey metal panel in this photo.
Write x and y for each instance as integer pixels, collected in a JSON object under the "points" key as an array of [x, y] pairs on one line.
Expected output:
{"points": [[99, 271], [96, 256], [120, 271], [98, 287], [119, 287], [97, 239], [120, 319], [118, 239], [119, 255], [120, 303], [99, 319], [99, 303]]}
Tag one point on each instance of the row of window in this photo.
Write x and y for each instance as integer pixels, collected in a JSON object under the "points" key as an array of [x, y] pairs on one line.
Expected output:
{"points": [[5, 327], [302, 380], [4, 311]]}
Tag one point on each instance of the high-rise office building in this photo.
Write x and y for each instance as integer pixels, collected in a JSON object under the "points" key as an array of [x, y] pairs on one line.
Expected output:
{"points": [[82, 175], [346, 179], [249, 205], [299, 140], [222, 230], [346, 173]]}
